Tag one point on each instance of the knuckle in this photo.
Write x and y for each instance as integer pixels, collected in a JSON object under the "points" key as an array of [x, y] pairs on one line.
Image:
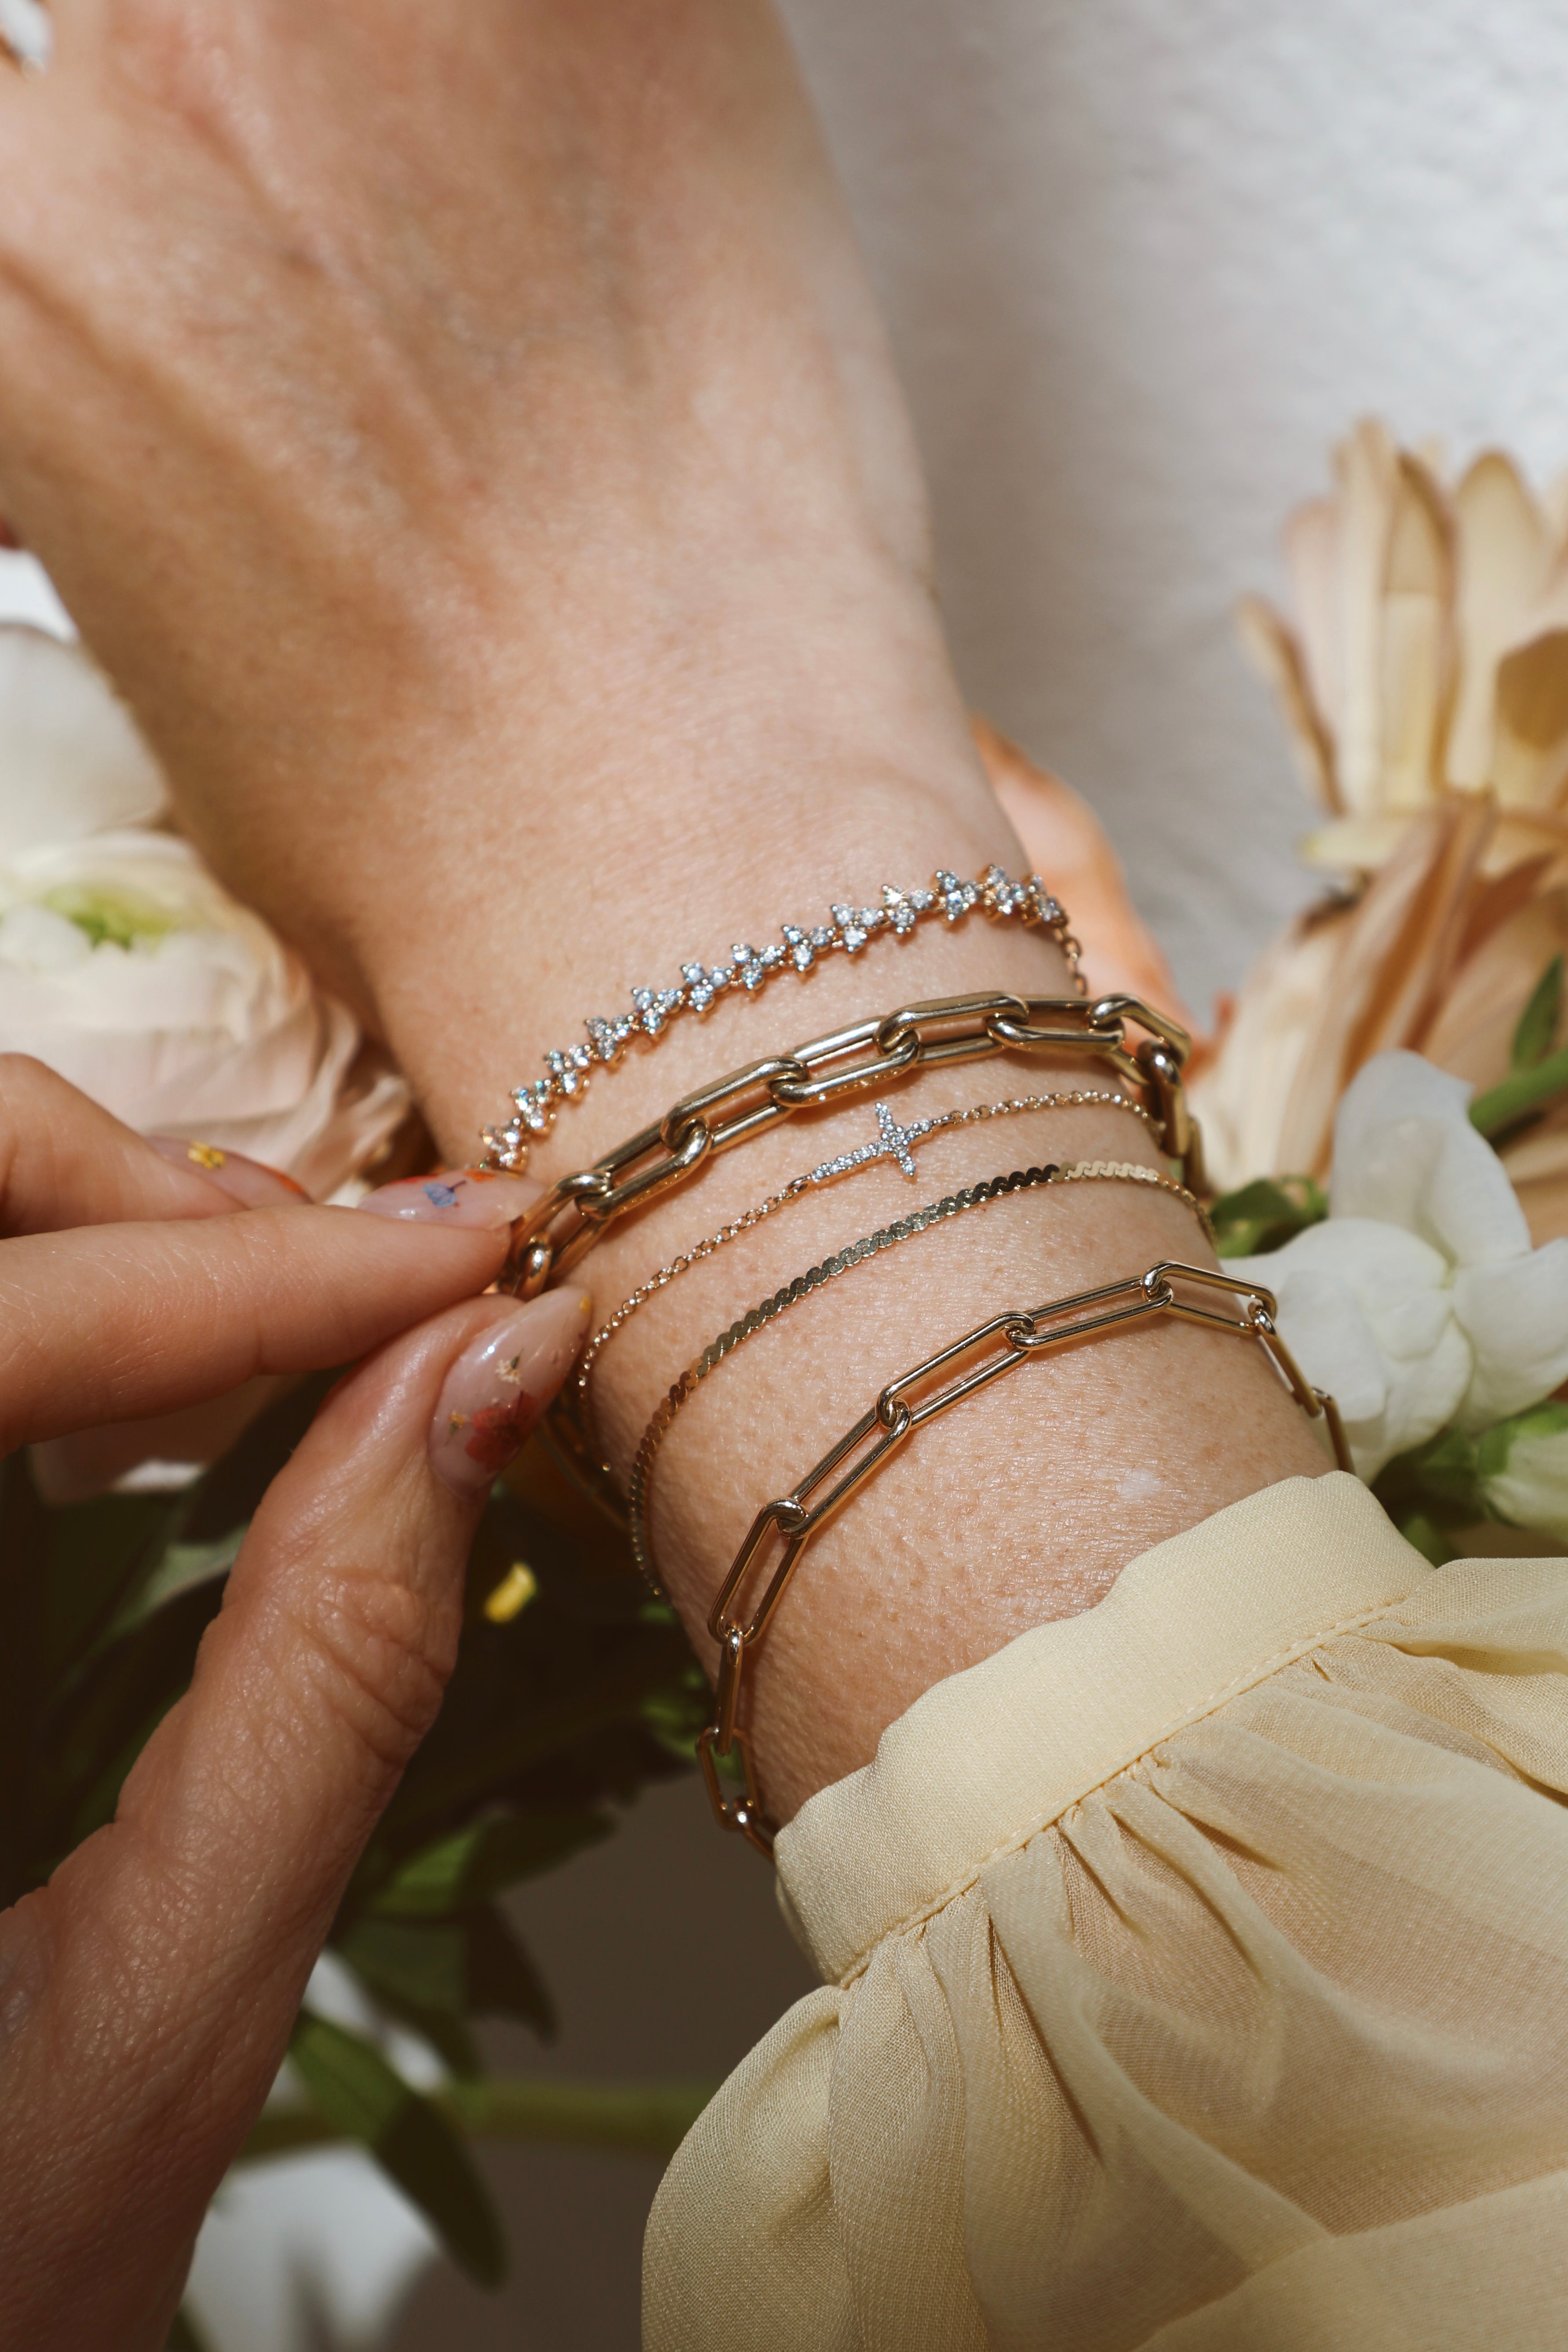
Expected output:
{"points": [[383, 1655]]}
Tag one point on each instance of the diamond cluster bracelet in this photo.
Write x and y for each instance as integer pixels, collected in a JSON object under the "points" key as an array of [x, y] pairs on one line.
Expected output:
{"points": [[567, 1069]]}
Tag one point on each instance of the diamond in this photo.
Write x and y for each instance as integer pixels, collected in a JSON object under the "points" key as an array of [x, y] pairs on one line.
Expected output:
{"points": [[802, 955], [852, 930], [654, 1007], [771, 957], [923, 901], [535, 1105], [900, 908], [698, 996], [892, 1142], [824, 936], [569, 1070]]}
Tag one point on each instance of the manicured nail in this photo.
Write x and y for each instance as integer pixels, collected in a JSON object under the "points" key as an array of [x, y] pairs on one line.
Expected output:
{"points": [[499, 1388], [455, 1196], [249, 1182]]}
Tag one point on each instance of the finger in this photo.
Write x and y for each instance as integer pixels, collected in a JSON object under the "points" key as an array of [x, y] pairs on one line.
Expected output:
{"points": [[152, 1985], [65, 1160], [119, 1322]]}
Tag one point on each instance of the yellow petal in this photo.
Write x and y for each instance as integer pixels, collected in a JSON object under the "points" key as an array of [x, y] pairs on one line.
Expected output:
{"points": [[1417, 648], [1368, 466], [1505, 547], [1067, 845], [1279, 660]]}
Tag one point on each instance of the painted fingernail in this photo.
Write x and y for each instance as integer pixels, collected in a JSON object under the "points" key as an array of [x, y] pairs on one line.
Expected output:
{"points": [[249, 1182], [501, 1385], [455, 1196]]}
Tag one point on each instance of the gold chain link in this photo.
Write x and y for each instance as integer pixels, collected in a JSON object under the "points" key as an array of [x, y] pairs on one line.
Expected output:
{"points": [[865, 1058], [1003, 1344]]}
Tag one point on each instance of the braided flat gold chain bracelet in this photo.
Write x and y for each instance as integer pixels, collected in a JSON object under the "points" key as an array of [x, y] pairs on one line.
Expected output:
{"points": [[1002, 1345]]}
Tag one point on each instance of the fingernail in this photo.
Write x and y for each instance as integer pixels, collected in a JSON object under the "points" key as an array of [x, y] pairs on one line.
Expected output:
{"points": [[455, 1196], [499, 1388], [249, 1182]]}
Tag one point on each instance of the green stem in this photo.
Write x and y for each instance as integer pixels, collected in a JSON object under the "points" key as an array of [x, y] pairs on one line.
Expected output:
{"points": [[632, 2118], [1523, 1092]]}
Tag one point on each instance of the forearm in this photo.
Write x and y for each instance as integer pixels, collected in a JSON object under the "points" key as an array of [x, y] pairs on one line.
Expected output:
{"points": [[543, 602], [1025, 1502]]}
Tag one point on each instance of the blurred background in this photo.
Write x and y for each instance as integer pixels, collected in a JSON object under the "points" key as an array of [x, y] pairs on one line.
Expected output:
{"points": [[1142, 265]]}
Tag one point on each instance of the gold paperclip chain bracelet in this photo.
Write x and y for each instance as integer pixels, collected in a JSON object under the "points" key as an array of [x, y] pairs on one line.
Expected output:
{"points": [[1008, 1341]]}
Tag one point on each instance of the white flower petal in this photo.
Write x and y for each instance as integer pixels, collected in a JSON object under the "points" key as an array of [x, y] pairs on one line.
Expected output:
{"points": [[1405, 1154], [1366, 1311], [71, 761], [1516, 1320], [207, 1026]]}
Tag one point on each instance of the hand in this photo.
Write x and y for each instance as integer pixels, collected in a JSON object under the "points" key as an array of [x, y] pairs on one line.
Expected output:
{"points": [[398, 397], [147, 1993]]}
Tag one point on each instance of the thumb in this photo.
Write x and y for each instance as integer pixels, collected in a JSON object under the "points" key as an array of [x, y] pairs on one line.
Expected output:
{"points": [[151, 1987]]}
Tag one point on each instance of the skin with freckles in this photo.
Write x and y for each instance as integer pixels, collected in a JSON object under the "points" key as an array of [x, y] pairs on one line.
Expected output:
{"points": [[475, 454]]}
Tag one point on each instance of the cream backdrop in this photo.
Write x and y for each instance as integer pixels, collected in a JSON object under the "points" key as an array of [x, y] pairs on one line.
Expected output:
{"points": [[1143, 263]]}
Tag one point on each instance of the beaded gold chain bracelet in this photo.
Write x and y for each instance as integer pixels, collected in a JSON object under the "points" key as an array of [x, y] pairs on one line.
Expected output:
{"points": [[569, 1068], [868, 1056], [768, 1310], [1002, 1344]]}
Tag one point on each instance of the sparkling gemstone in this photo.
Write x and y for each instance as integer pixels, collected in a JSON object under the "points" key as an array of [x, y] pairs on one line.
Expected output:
{"points": [[824, 936], [802, 955], [922, 901], [654, 1007], [771, 957]]}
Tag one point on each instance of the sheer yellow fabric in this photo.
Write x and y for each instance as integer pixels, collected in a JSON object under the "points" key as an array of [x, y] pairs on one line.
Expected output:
{"points": [[1200, 1982]]}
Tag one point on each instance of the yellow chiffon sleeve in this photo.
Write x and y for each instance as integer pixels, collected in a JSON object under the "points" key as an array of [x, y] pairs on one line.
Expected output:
{"points": [[1196, 1978]]}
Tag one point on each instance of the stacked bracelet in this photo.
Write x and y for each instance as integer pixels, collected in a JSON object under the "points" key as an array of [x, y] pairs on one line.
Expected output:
{"points": [[868, 1056], [893, 1143], [1003, 1343], [768, 1310], [568, 1068]]}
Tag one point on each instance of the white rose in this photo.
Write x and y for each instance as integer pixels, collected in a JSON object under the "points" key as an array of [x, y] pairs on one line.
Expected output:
{"points": [[126, 967], [1419, 1301]]}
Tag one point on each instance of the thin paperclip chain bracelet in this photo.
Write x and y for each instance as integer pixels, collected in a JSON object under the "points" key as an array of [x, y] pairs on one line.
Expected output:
{"points": [[568, 1068], [893, 1143], [1009, 1340], [886, 1237]]}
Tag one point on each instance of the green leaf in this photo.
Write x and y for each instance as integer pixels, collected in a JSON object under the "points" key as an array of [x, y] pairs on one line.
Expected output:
{"points": [[468, 1966], [1265, 1214], [632, 2118], [1538, 1022], [1520, 1096], [365, 2099], [1428, 1538], [1495, 1444], [467, 1868], [178, 1569], [24, 1550]]}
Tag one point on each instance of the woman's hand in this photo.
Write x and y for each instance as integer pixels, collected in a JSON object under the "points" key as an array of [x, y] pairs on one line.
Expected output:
{"points": [[401, 396], [147, 1992]]}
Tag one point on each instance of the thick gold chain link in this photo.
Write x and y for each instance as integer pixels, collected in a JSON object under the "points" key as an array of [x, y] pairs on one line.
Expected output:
{"points": [[571, 1218], [1002, 1345]]}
